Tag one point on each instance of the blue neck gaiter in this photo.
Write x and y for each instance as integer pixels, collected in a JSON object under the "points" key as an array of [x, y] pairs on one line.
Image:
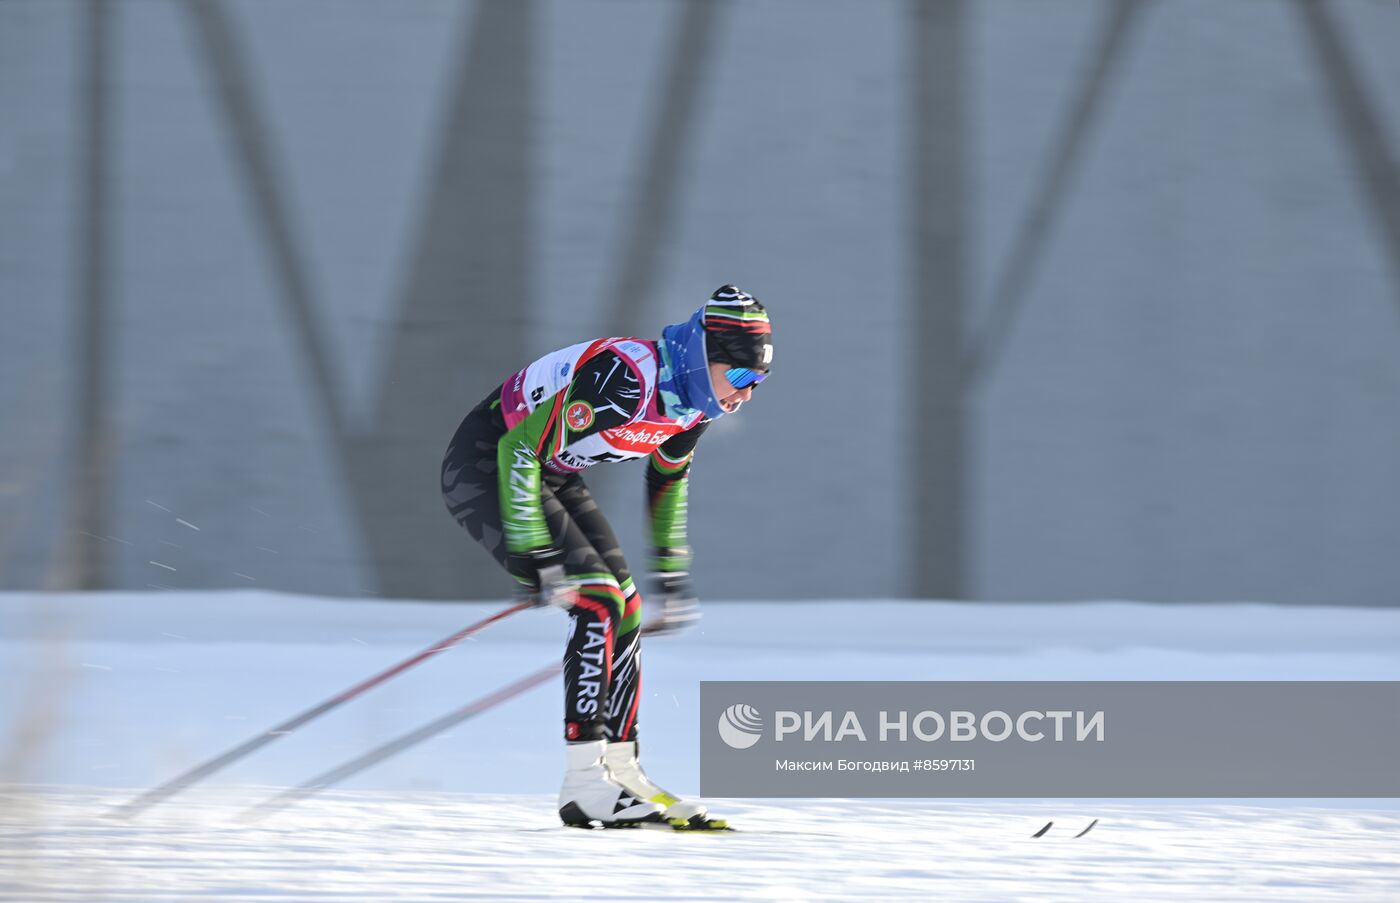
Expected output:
{"points": [[684, 378]]}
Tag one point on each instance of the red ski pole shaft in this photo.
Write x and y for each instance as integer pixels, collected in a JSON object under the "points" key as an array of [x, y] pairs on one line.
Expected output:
{"points": [[330, 778], [200, 772], [393, 747]]}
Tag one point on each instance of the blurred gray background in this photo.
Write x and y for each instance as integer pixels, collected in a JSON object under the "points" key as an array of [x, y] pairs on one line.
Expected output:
{"points": [[1072, 299]]}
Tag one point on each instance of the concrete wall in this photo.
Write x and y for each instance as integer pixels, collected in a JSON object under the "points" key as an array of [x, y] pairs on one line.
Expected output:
{"points": [[1072, 299]]}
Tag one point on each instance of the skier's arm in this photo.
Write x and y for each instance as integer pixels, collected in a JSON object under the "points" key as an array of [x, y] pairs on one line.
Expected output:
{"points": [[668, 478], [606, 385]]}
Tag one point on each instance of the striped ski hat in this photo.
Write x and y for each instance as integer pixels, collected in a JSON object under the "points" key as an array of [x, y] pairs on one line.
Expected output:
{"points": [[737, 330]]}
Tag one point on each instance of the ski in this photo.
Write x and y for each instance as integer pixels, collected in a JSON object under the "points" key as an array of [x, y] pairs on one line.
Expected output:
{"points": [[695, 825], [1043, 831]]}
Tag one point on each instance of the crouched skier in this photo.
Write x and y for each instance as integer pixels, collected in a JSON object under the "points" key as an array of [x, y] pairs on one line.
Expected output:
{"points": [[511, 478]]}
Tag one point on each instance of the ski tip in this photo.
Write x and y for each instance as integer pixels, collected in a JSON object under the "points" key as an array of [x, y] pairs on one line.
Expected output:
{"points": [[1041, 832], [1088, 829]]}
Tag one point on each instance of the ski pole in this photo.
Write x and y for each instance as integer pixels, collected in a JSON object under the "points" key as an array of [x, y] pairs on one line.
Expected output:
{"points": [[412, 738], [393, 747], [199, 772]]}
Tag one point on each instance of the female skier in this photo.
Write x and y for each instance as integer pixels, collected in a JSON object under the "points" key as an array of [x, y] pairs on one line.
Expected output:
{"points": [[511, 478]]}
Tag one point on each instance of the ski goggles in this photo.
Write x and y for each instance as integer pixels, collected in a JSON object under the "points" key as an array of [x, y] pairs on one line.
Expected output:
{"points": [[743, 377]]}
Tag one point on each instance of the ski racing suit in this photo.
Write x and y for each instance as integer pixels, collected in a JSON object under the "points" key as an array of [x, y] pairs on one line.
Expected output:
{"points": [[511, 478]]}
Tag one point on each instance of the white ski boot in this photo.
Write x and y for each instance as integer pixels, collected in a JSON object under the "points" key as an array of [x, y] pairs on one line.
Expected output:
{"points": [[590, 797], [623, 767]]}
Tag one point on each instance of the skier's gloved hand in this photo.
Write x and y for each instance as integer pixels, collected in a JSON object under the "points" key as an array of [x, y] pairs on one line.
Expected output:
{"points": [[542, 572], [680, 609]]}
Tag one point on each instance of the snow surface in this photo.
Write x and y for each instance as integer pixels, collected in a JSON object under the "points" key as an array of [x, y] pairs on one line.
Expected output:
{"points": [[107, 694]]}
